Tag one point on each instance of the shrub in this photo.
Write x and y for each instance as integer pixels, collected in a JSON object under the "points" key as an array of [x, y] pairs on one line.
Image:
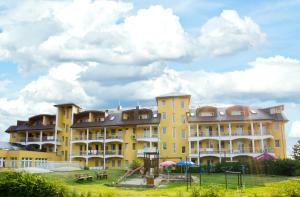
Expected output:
{"points": [[212, 191], [24, 184], [288, 189], [135, 164]]}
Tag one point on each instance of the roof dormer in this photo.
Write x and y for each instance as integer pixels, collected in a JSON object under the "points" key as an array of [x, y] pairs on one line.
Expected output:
{"points": [[237, 110], [206, 111]]}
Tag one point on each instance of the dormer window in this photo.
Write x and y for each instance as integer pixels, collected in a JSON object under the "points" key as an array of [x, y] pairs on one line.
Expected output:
{"points": [[236, 113], [111, 118], [207, 114], [143, 116]]}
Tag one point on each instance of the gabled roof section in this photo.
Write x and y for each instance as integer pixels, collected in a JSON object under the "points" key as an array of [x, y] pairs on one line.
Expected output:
{"points": [[67, 105], [223, 116], [173, 95], [115, 119]]}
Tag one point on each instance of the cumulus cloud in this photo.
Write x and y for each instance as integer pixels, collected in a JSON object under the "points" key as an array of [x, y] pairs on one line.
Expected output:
{"points": [[110, 32], [295, 130], [229, 33], [3, 84], [274, 78]]}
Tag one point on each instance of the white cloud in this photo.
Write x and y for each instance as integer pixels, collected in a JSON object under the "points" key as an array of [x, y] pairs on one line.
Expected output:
{"points": [[109, 32], [229, 33], [295, 130], [3, 85], [274, 78]]}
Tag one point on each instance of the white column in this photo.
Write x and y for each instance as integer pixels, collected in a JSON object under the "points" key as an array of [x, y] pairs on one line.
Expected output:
{"points": [[26, 138], [55, 134], [198, 147], [261, 137], [87, 144], [190, 147], [197, 130], [71, 144], [104, 165], [150, 136], [230, 141], [41, 139], [219, 134], [158, 135], [252, 133]]}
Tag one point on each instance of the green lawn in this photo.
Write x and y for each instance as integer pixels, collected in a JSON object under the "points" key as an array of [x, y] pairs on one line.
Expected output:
{"points": [[260, 185]]}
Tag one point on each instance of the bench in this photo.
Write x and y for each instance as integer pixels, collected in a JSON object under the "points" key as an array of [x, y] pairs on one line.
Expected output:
{"points": [[101, 175], [82, 177]]}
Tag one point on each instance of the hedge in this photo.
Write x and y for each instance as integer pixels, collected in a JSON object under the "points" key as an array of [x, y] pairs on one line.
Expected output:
{"points": [[23, 184]]}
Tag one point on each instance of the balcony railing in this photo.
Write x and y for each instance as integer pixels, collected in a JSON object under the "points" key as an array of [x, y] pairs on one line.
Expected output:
{"points": [[223, 134], [154, 135], [141, 152], [114, 137], [38, 139], [227, 151], [98, 153]]}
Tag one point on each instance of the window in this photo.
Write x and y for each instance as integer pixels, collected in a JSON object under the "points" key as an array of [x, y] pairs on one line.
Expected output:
{"points": [[119, 163], [277, 143], [174, 133], [174, 148], [126, 131], [126, 146], [183, 134], [207, 114], [173, 103], [133, 146], [183, 119], [222, 128], [174, 118], [113, 163], [276, 126], [164, 130], [163, 102], [182, 104], [126, 164], [67, 139], [164, 115], [164, 146], [236, 113], [67, 114], [67, 128], [183, 149]]}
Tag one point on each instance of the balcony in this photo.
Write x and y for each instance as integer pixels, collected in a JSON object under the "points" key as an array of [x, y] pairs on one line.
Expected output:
{"points": [[113, 153], [38, 141], [140, 152], [98, 153], [148, 138], [114, 138]]}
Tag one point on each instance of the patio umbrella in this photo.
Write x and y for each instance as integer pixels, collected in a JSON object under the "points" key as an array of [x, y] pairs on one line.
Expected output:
{"points": [[185, 163], [167, 163]]}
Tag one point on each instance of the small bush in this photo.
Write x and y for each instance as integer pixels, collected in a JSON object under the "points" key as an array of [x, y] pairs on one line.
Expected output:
{"points": [[212, 191], [23, 184], [135, 164], [288, 189], [195, 192], [86, 168]]}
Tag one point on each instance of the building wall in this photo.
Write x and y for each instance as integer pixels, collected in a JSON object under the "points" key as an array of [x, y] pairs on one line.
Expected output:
{"points": [[173, 132], [175, 124]]}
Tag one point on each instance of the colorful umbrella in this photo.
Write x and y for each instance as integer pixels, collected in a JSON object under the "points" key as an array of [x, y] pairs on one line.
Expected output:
{"points": [[185, 163], [167, 163]]}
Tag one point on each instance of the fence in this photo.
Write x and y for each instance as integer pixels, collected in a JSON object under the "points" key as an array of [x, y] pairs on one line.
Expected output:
{"points": [[42, 163]]}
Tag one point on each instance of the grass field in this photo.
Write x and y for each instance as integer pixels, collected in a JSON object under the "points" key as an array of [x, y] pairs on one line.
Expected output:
{"points": [[254, 185]]}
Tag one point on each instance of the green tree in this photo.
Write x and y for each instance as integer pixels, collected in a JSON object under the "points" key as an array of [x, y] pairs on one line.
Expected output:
{"points": [[296, 151]]}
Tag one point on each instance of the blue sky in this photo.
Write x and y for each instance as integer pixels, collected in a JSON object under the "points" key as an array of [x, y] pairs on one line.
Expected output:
{"points": [[96, 53]]}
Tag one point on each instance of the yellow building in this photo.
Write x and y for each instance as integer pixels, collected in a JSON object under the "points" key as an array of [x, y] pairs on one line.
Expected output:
{"points": [[114, 138]]}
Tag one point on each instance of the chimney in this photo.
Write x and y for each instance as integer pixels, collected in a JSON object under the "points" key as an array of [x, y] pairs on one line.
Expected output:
{"points": [[119, 108]]}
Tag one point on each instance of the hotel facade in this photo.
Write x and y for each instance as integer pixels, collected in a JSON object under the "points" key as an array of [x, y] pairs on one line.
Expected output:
{"points": [[174, 129]]}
